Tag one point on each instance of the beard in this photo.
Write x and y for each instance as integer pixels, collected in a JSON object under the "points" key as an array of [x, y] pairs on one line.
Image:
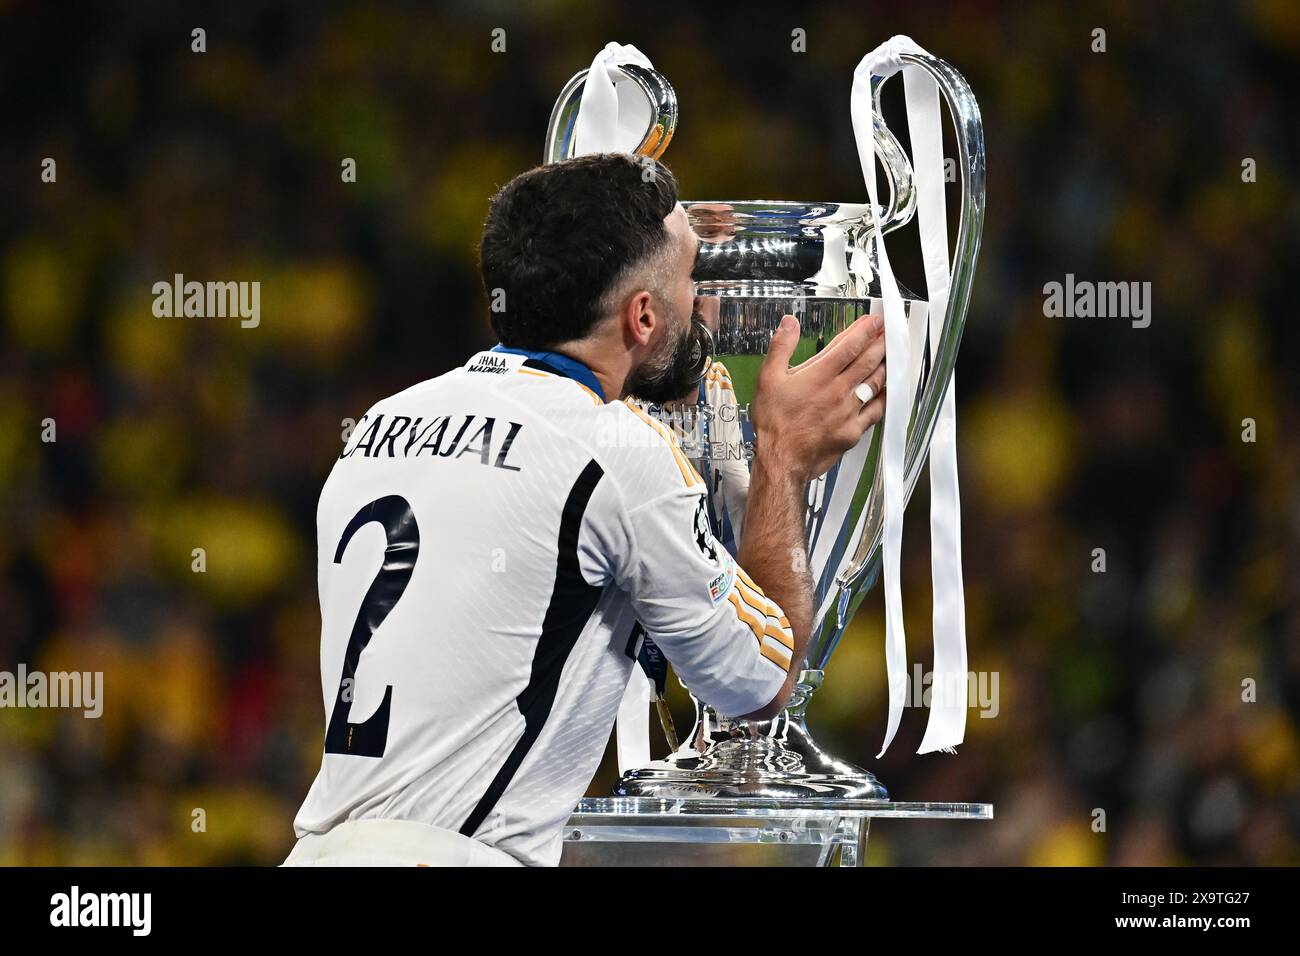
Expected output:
{"points": [[676, 371]]}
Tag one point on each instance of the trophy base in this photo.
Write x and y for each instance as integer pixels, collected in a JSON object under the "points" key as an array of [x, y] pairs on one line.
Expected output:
{"points": [[774, 759], [669, 781]]}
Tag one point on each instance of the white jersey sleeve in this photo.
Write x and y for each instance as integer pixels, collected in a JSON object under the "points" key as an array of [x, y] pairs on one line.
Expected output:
{"points": [[729, 643]]}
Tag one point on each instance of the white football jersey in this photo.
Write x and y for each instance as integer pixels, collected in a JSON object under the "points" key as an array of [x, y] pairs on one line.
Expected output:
{"points": [[487, 541]]}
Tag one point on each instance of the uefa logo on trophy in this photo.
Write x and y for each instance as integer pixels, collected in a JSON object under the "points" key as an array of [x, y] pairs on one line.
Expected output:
{"points": [[827, 263]]}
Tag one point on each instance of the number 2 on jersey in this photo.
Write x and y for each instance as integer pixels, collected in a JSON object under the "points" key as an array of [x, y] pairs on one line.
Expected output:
{"points": [[393, 512]]}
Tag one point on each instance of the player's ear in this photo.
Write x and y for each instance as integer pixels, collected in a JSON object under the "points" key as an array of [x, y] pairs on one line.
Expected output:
{"points": [[638, 319]]}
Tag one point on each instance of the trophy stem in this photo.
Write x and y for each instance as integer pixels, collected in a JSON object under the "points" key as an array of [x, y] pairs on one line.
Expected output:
{"points": [[730, 757], [807, 685]]}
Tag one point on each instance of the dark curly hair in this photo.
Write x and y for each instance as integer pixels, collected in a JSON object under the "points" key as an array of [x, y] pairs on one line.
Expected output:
{"points": [[559, 239]]}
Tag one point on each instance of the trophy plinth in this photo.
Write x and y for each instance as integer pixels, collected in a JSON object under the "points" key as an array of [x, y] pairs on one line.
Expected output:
{"points": [[739, 831]]}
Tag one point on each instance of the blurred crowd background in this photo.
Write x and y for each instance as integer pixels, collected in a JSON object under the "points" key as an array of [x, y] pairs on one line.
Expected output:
{"points": [[1120, 691]]}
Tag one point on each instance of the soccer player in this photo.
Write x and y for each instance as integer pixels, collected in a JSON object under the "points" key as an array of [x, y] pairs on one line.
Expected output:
{"points": [[489, 538]]}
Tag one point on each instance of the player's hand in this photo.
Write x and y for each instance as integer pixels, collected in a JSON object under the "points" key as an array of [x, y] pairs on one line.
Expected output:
{"points": [[806, 417]]}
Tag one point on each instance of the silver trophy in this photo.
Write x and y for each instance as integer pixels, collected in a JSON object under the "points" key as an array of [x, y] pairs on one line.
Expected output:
{"points": [[759, 261]]}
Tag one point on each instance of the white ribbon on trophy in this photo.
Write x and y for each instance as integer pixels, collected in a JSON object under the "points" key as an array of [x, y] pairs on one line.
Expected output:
{"points": [[613, 116], [632, 726], [947, 722], [610, 121]]}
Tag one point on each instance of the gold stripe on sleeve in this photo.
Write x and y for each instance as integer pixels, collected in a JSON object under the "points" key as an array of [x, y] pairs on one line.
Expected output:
{"points": [[748, 580], [776, 657], [780, 636], [754, 623]]}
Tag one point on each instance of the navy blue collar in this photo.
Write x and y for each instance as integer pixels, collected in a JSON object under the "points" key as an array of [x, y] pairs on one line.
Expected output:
{"points": [[560, 365]]}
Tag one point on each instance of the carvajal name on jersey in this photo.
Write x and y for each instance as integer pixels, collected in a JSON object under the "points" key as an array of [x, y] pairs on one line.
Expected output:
{"points": [[442, 436]]}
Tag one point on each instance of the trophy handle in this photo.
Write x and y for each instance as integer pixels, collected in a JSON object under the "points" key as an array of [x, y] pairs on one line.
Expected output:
{"points": [[659, 94], [865, 563], [898, 170], [662, 101]]}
